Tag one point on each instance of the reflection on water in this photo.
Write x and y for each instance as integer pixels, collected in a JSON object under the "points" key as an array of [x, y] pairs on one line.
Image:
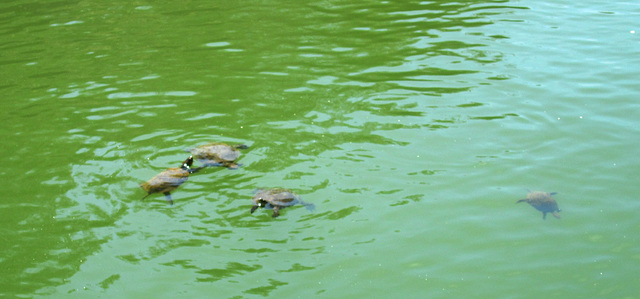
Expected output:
{"points": [[232, 269]]}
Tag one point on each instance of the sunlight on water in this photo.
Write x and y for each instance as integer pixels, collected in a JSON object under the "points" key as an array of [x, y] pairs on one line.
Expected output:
{"points": [[413, 128]]}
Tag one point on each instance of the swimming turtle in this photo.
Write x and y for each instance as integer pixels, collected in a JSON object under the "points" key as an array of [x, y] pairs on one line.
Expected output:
{"points": [[543, 202], [218, 154], [277, 199], [169, 179]]}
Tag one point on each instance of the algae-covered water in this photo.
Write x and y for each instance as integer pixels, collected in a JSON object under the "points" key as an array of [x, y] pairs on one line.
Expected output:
{"points": [[413, 127]]}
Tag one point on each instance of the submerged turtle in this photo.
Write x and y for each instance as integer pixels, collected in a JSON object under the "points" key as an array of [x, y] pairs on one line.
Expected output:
{"points": [[277, 199], [543, 202], [218, 154], [169, 179]]}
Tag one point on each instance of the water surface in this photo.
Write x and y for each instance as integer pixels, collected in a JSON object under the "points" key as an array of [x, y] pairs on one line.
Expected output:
{"points": [[413, 128]]}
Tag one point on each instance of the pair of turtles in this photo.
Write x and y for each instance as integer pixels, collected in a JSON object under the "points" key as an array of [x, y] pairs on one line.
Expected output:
{"points": [[279, 198], [212, 154], [219, 154]]}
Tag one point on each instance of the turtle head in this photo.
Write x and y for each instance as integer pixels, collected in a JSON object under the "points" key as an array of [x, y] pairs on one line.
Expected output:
{"points": [[260, 203], [187, 163]]}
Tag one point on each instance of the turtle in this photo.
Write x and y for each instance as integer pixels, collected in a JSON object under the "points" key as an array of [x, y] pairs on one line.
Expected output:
{"points": [[218, 154], [277, 199], [543, 202], [169, 179]]}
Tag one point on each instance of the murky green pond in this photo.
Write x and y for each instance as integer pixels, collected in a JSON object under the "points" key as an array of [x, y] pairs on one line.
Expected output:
{"points": [[413, 127]]}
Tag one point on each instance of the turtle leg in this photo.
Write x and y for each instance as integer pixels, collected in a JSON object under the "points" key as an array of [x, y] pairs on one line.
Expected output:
{"points": [[544, 215], [213, 164], [254, 208], [309, 206], [209, 163], [196, 169], [276, 211], [167, 196]]}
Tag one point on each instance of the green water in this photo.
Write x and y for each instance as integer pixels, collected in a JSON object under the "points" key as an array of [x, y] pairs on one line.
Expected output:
{"points": [[413, 127]]}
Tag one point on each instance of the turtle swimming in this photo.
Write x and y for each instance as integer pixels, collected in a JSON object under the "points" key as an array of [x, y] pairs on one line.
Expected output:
{"points": [[218, 154], [169, 179], [543, 202], [277, 199]]}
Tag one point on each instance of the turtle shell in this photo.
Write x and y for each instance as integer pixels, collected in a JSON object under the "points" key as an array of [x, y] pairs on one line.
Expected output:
{"points": [[276, 199], [217, 154], [168, 180], [543, 202]]}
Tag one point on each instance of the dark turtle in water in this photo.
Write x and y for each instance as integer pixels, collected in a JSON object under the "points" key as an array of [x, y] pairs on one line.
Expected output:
{"points": [[277, 199], [169, 179], [543, 202], [218, 154]]}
